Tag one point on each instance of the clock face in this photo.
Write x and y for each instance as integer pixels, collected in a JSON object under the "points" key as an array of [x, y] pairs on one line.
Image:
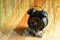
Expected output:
{"points": [[35, 23]]}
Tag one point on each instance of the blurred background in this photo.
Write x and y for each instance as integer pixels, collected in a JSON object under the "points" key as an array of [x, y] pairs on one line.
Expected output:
{"points": [[14, 17]]}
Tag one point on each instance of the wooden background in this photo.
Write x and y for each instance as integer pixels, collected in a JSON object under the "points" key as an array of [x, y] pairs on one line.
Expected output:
{"points": [[13, 18]]}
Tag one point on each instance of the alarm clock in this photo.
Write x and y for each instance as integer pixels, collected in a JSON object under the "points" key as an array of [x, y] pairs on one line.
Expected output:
{"points": [[37, 21]]}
